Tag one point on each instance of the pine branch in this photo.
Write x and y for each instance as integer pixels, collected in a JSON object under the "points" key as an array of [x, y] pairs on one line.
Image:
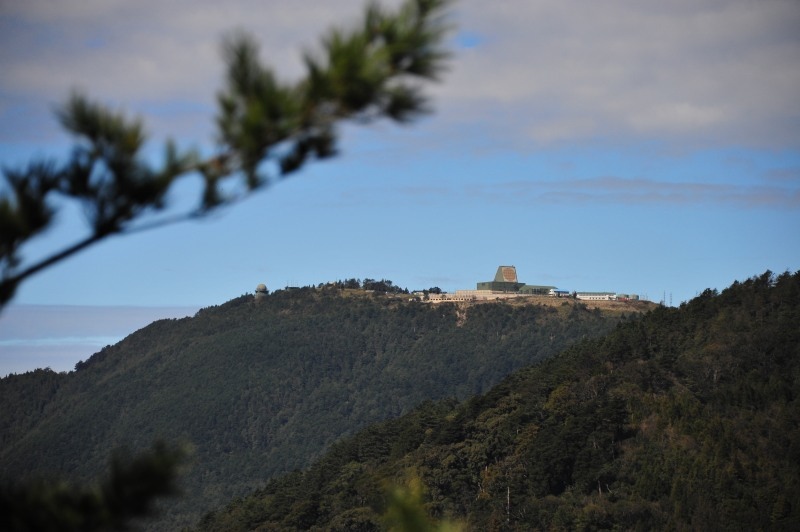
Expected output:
{"points": [[362, 74]]}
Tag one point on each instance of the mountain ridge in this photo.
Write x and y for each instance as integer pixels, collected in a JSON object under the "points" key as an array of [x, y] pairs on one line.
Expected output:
{"points": [[687, 418], [264, 387]]}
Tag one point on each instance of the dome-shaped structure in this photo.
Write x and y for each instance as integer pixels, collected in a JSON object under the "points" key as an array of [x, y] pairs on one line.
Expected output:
{"points": [[261, 291]]}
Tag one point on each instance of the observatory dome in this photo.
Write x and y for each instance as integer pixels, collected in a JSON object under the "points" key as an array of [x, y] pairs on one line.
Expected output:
{"points": [[261, 292]]}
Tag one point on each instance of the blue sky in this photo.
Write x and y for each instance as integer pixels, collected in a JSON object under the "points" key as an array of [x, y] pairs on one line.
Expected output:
{"points": [[639, 147]]}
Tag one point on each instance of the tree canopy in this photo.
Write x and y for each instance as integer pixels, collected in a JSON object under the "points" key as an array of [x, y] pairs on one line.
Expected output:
{"points": [[262, 387], [685, 419], [128, 492], [266, 130]]}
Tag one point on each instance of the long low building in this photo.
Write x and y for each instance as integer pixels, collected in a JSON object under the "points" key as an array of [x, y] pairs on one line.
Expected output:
{"points": [[506, 285], [596, 296], [473, 295]]}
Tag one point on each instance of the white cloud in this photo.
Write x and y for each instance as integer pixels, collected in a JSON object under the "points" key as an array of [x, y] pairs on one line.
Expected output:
{"points": [[701, 71], [140, 54], [613, 190], [678, 117], [715, 71]]}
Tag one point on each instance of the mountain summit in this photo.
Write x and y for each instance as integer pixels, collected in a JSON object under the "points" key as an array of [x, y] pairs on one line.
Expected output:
{"points": [[686, 419], [263, 388]]}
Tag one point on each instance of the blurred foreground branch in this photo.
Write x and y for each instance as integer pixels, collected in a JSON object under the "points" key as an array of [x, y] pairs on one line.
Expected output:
{"points": [[128, 492], [266, 130]]}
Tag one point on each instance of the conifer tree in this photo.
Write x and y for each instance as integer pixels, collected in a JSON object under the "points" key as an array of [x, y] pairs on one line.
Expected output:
{"points": [[266, 130], [128, 492]]}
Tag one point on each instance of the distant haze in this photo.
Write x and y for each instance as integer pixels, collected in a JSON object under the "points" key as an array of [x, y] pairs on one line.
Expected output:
{"points": [[58, 336]]}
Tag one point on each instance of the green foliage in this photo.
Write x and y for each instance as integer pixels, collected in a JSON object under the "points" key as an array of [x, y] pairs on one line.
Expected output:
{"points": [[685, 419], [24, 398], [406, 511], [128, 493], [372, 71], [264, 387], [105, 172]]}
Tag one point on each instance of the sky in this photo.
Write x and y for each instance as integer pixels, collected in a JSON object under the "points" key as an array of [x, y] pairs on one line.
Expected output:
{"points": [[634, 146]]}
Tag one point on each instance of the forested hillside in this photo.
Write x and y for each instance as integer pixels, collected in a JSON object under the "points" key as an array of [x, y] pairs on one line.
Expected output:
{"points": [[686, 419], [261, 388]]}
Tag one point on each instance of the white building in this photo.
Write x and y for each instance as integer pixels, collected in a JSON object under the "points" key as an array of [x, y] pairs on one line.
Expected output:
{"points": [[596, 296]]}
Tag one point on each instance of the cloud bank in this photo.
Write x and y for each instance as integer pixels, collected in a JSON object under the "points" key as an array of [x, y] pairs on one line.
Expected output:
{"points": [[531, 73], [711, 71], [613, 190]]}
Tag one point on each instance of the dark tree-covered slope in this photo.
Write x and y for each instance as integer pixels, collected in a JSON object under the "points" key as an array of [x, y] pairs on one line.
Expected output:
{"points": [[260, 388], [687, 419]]}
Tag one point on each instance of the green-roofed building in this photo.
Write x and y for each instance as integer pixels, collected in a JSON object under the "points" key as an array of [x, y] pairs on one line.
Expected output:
{"points": [[536, 290], [505, 280]]}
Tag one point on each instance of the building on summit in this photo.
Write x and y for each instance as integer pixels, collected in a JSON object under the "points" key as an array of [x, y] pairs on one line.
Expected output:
{"points": [[596, 296], [261, 292], [506, 285], [506, 281]]}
